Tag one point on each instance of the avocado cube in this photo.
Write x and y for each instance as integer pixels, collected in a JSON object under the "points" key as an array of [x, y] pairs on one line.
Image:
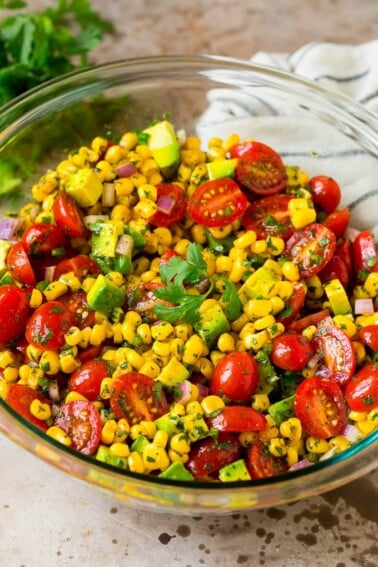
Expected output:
{"points": [[106, 456], [234, 472], [84, 187], [4, 249], [140, 443], [221, 168], [213, 323], [104, 296], [105, 237], [176, 471], [282, 410], [169, 422], [163, 144], [173, 373], [195, 426], [337, 297]]}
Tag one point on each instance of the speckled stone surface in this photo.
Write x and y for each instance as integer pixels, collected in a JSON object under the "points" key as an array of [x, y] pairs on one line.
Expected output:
{"points": [[49, 519]]}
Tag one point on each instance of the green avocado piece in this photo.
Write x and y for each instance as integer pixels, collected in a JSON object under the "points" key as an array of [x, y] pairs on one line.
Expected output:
{"points": [[170, 423], [104, 296], [173, 373], [105, 236], [4, 249], [84, 187], [213, 323], [105, 456], [282, 410], [139, 443], [163, 144], [176, 471], [221, 168], [234, 471], [337, 297]]}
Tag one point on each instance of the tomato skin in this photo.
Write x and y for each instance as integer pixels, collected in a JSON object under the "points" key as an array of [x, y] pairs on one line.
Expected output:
{"points": [[133, 396], [312, 319], [320, 406], [235, 377], [326, 193], [311, 248], [369, 336], [362, 391], [20, 397], [76, 304], [68, 216], [47, 326], [261, 464], [19, 265], [14, 307], [337, 222], [344, 251], [260, 168], [141, 298], [209, 455], [236, 419], [338, 357], [87, 379], [269, 216], [42, 238], [336, 268], [293, 305], [81, 421], [80, 265], [178, 211], [291, 351], [364, 254], [217, 202]]}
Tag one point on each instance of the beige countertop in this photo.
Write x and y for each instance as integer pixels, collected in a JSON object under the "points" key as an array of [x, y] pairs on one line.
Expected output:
{"points": [[49, 519]]}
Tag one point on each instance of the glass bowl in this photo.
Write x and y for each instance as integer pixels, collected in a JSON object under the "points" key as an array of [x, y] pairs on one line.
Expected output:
{"points": [[319, 130]]}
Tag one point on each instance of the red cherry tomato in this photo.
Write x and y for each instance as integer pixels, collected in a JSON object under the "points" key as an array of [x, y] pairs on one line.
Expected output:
{"points": [[76, 303], [235, 419], [141, 298], [338, 361], [135, 397], [20, 397], [260, 168], [217, 203], [364, 254], [320, 406], [68, 216], [362, 391], [262, 464], [209, 455], [235, 377], [171, 198], [369, 336], [89, 353], [311, 248], [14, 309], [293, 304], [269, 216], [308, 320], [19, 265], [81, 421], [291, 351], [326, 193], [47, 326], [167, 255], [43, 238], [337, 222], [336, 268], [87, 379], [344, 251], [80, 265]]}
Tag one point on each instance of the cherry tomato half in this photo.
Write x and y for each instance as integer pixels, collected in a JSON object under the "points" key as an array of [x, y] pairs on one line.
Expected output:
{"points": [[326, 193], [293, 304], [209, 455], [14, 309], [80, 265], [135, 397], [344, 251], [173, 198], [338, 360], [43, 238], [76, 303], [235, 419], [369, 336], [262, 464], [269, 216], [320, 406], [20, 397], [362, 391], [337, 222], [311, 248], [47, 326], [308, 320], [364, 254], [87, 379], [19, 265], [81, 421], [291, 351], [217, 202], [68, 216], [336, 268], [141, 298], [260, 168], [235, 377]]}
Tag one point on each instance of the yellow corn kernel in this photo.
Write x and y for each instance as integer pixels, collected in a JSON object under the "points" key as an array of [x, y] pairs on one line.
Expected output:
{"points": [[59, 435], [36, 298], [181, 246], [68, 364], [290, 271], [150, 168], [301, 218], [372, 416], [317, 446], [260, 402], [147, 191], [205, 366], [7, 358], [106, 388], [371, 284], [257, 308], [55, 290], [255, 341], [192, 157], [150, 368], [268, 434], [160, 438], [179, 443], [264, 322], [4, 389], [149, 428], [40, 410], [10, 374], [177, 348], [285, 290], [237, 271], [223, 264], [365, 427], [178, 409], [162, 331], [346, 323], [298, 445], [275, 330], [314, 287], [184, 172], [135, 463], [193, 350], [309, 332], [357, 415], [161, 349], [359, 292], [226, 342], [291, 429], [155, 457], [340, 443], [248, 438], [276, 245], [277, 447], [194, 407], [71, 281], [259, 247], [49, 362], [211, 404], [238, 324], [108, 431], [245, 240], [119, 449], [122, 431], [198, 233], [99, 144], [365, 320], [222, 232], [129, 140], [175, 456], [73, 396], [97, 335], [291, 456], [136, 430], [73, 336], [359, 351], [146, 208]]}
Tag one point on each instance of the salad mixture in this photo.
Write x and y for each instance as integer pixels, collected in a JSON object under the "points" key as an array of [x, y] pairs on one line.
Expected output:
{"points": [[190, 313]]}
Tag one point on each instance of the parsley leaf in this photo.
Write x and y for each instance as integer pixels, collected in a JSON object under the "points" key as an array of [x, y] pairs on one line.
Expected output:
{"points": [[185, 308], [181, 270], [230, 297]]}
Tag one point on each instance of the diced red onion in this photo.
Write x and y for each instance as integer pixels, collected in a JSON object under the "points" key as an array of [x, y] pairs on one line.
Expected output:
{"points": [[54, 390], [9, 226], [165, 204], [91, 219], [108, 195], [126, 169], [203, 391], [351, 433], [304, 463], [351, 233], [183, 392], [362, 306], [125, 245]]}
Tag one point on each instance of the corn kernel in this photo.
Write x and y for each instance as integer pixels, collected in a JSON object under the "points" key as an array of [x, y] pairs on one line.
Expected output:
{"points": [[259, 247], [248, 438], [317, 446], [36, 298], [277, 447], [340, 443], [264, 322], [357, 415], [179, 443], [49, 362], [40, 410], [365, 426], [155, 457], [108, 431], [161, 438], [135, 463], [119, 449], [54, 290], [301, 218], [290, 271], [59, 435], [260, 402], [291, 456], [291, 428], [4, 389], [211, 404], [10, 374]]}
